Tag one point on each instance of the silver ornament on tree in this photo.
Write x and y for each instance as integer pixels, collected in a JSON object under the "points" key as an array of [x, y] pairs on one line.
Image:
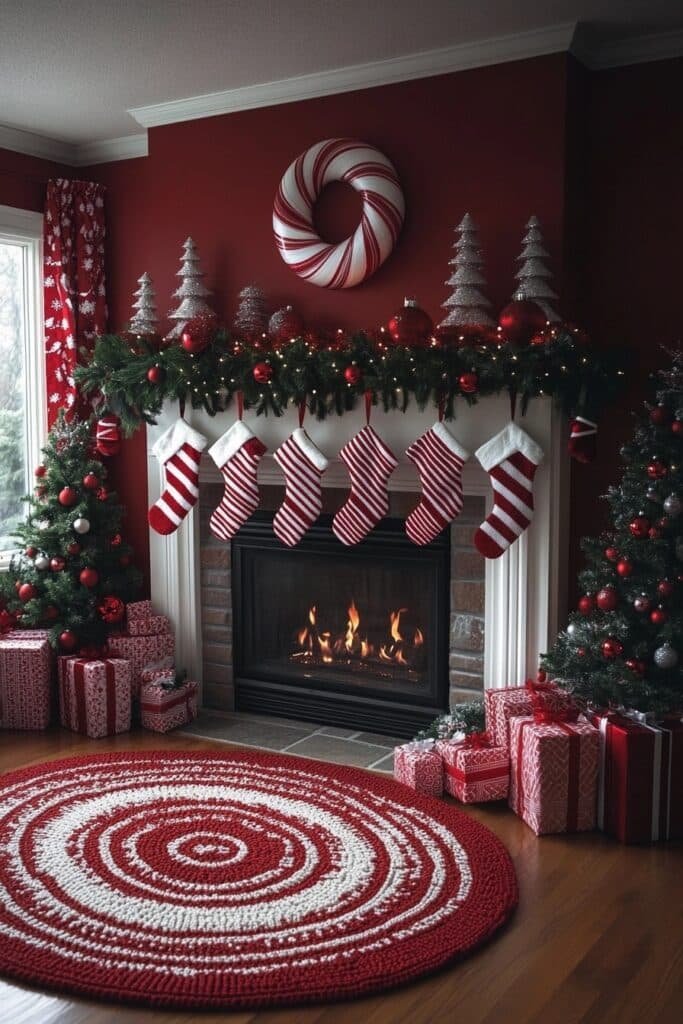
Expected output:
{"points": [[652, 494], [571, 629], [467, 306], [81, 525], [533, 274], [672, 505], [144, 320], [192, 292], [41, 562], [251, 318], [666, 656]]}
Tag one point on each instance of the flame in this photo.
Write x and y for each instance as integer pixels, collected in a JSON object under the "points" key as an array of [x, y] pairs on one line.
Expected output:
{"points": [[398, 657], [383, 654], [329, 647], [365, 649], [418, 639], [352, 625], [325, 648], [311, 615], [395, 621], [301, 636]]}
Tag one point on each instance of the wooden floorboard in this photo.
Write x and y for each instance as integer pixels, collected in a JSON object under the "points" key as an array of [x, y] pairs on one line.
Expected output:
{"points": [[597, 938]]}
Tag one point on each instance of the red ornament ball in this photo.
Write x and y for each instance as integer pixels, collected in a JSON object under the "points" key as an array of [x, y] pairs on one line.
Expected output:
{"points": [[520, 320], [665, 588], [191, 344], [31, 552], [677, 427], [156, 374], [40, 470], [581, 652], [111, 609], [285, 325], [74, 548], [51, 613], [654, 533], [657, 469], [115, 542], [27, 592], [89, 577], [624, 567], [660, 415], [68, 496], [642, 604], [586, 604], [410, 326], [68, 640], [197, 333], [263, 373], [102, 494], [607, 599], [91, 482], [636, 665], [611, 554], [468, 383], [352, 375], [658, 616], [58, 564], [612, 648], [639, 527]]}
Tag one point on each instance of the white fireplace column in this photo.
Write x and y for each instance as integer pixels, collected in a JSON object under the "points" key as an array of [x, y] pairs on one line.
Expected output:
{"points": [[525, 587]]}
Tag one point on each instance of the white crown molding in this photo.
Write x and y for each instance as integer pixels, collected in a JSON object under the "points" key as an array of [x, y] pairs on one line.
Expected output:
{"points": [[128, 147], [19, 141], [622, 52], [498, 50]]}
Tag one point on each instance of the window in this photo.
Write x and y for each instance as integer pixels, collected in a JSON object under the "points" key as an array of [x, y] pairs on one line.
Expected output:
{"points": [[22, 373]]}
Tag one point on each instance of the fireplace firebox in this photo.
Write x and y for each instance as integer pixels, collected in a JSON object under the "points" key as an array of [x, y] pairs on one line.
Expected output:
{"points": [[348, 636]]}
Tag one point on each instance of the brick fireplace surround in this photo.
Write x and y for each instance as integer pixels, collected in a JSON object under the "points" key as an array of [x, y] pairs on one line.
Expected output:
{"points": [[502, 612]]}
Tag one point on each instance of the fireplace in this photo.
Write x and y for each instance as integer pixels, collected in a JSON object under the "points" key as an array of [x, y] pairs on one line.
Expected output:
{"points": [[345, 636]]}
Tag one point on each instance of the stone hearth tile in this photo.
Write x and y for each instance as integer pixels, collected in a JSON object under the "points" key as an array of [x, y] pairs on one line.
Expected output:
{"points": [[380, 739], [337, 750], [333, 730], [252, 732], [385, 765]]}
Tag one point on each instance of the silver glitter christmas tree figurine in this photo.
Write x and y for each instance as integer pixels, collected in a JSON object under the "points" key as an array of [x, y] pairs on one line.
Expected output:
{"points": [[144, 319], [533, 274], [251, 319], [191, 293], [468, 306]]}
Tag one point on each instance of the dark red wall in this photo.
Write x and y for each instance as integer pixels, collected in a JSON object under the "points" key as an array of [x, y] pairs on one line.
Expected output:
{"points": [[23, 179]]}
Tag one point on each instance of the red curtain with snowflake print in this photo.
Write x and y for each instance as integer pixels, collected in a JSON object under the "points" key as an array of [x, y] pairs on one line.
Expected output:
{"points": [[75, 300]]}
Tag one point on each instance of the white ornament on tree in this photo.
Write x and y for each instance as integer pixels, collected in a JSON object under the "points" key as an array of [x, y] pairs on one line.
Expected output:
{"points": [[191, 293], [81, 525], [468, 305], [144, 320], [533, 274], [42, 562]]}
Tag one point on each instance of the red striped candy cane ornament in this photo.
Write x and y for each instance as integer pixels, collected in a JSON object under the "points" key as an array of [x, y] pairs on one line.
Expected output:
{"points": [[346, 263]]}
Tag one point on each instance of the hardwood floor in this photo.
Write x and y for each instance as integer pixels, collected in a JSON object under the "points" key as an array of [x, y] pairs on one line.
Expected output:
{"points": [[598, 936]]}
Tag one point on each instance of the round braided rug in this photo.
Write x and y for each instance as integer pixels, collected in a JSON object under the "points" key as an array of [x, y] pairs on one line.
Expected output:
{"points": [[253, 879]]}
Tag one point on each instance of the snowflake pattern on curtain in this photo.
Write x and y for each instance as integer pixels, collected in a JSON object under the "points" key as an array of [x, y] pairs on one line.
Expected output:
{"points": [[74, 285]]}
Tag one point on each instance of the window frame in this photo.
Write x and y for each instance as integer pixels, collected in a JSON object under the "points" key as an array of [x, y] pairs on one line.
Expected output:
{"points": [[25, 228]]}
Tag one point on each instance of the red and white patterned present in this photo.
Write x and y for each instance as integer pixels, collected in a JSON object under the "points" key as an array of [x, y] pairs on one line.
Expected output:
{"points": [[419, 765], [139, 610], [517, 701], [554, 772], [141, 651], [25, 681], [165, 709], [158, 671], [149, 626], [473, 770], [640, 786], [97, 696]]}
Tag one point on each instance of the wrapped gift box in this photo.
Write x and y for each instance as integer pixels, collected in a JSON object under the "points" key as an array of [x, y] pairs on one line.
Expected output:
{"points": [[554, 773], [158, 671], [419, 765], [149, 626], [141, 651], [473, 770], [139, 610], [165, 708], [640, 788], [25, 681], [97, 696], [517, 701]]}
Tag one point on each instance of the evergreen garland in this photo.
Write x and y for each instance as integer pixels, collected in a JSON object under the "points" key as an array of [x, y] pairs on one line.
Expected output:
{"points": [[467, 717]]}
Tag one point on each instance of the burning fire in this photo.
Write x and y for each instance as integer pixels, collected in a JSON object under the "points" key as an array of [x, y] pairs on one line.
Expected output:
{"points": [[315, 645]]}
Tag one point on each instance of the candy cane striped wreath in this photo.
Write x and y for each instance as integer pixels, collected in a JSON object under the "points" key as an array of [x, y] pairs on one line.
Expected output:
{"points": [[192, 879], [349, 262]]}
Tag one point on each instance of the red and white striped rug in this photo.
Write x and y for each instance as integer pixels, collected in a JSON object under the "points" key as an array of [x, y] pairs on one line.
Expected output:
{"points": [[200, 880]]}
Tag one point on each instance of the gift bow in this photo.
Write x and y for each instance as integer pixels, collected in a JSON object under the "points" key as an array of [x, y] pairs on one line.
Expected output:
{"points": [[535, 687], [546, 715], [477, 740], [420, 744]]}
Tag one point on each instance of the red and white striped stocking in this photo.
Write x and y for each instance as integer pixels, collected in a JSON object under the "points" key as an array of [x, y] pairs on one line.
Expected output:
{"points": [[237, 454], [582, 444], [179, 450], [370, 464], [303, 464], [511, 459], [439, 459]]}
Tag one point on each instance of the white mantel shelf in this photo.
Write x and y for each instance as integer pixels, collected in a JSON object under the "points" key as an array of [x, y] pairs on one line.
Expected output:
{"points": [[525, 587]]}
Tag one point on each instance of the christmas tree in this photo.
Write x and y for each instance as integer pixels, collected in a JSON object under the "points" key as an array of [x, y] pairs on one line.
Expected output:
{"points": [[144, 320], [533, 274], [467, 306], [191, 293], [622, 645], [74, 574], [251, 319]]}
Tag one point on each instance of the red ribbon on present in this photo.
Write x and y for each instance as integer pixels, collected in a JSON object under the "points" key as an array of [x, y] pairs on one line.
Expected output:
{"points": [[183, 698], [475, 774], [477, 740], [79, 686], [546, 715]]}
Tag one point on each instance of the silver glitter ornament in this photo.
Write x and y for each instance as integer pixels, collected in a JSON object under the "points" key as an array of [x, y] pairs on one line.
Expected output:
{"points": [[672, 505], [571, 629], [666, 656], [192, 292], [42, 562], [652, 494]]}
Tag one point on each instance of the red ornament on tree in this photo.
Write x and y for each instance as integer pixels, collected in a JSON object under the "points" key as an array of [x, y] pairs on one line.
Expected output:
{"points": [[89, 577], [115, 542], [658, 616], [586, 604], [57, 564], [660, 415], [91, 482], [68, 496], [636, 665], [31, 552], [612, 648], [102, 494], [657, 469], [263, 373], [285, 325], [677, 427], [40, 471], [607, 599], [156, 374], [410, 326], [198, 332], [68, 640], [639, 526], [611, 554], [27, 592], [468, 383], [624, 567], [51, 613], [665, 588], [352, 375], [654, 533], [520, 320], [111, 609], [74, 548]]}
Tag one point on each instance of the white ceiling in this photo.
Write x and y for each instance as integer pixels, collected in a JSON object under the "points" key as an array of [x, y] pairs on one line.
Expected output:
{"points": [[72, 71]]}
